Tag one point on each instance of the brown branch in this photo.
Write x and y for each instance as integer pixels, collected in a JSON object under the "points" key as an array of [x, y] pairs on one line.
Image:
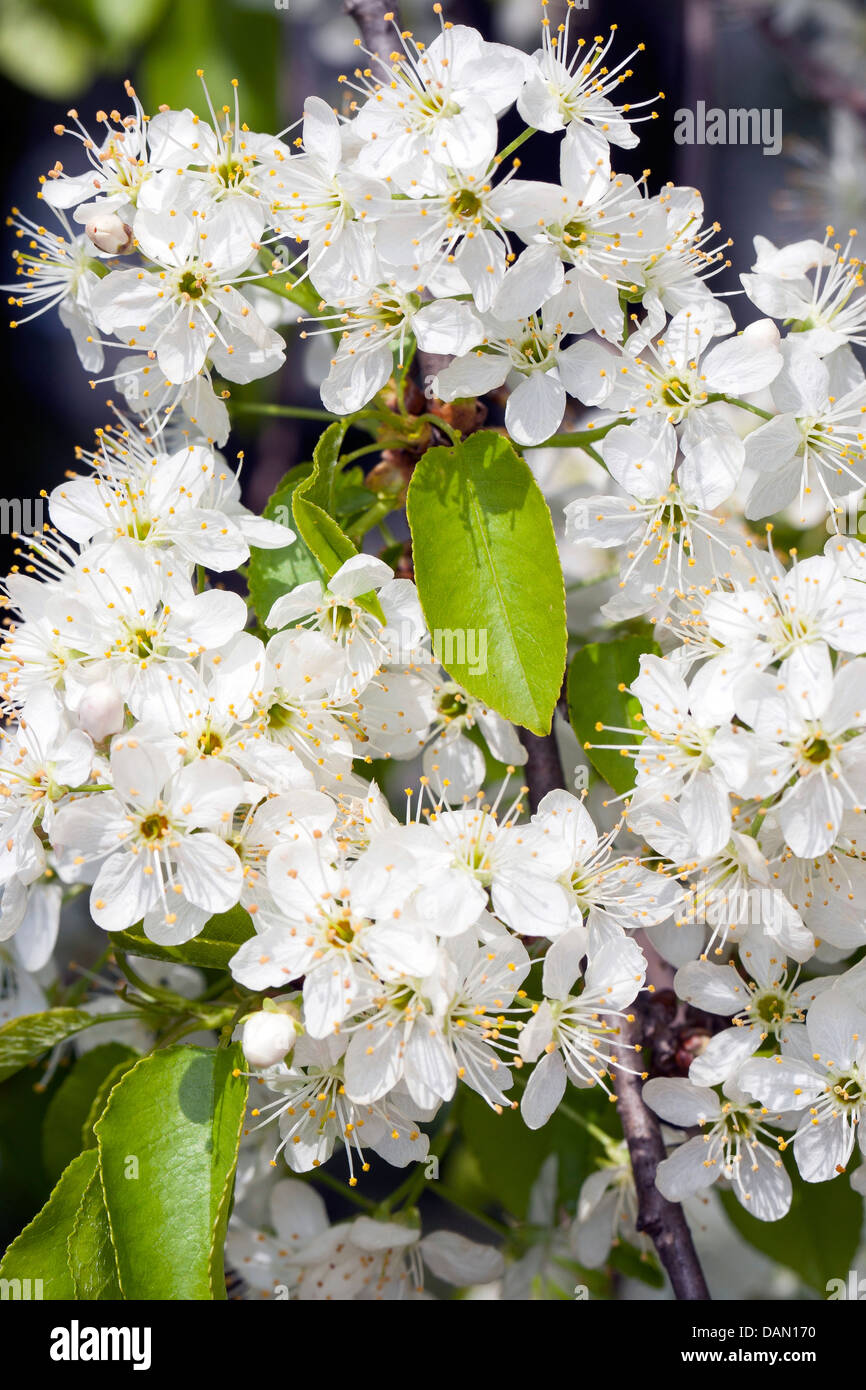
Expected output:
{"points": [[377, 33], [663, 1221], [543, 768]]}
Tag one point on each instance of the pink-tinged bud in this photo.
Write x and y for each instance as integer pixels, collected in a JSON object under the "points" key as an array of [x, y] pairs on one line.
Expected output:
{"points": [[267, 1037], [110, 234], [101, 711]]}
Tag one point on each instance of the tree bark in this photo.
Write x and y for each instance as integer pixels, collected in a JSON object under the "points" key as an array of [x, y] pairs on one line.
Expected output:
{"points": [[377, 33], [543, 768], [663, 1221]]}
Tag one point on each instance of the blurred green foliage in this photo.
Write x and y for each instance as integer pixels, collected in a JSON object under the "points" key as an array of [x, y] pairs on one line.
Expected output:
{"points": [[58, 48]]}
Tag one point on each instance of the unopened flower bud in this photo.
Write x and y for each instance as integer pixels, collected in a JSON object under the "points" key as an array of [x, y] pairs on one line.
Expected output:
{"points": [[101, 711], [267, 1037], [762, 333], [110, 234]]}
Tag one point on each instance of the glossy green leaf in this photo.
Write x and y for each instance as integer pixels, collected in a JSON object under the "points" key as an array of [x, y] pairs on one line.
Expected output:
{"points": [[313, 498], [272, 573], [212, 949], [312, 504], [100, 1099], [597, 677], [24, 1039], [489, 577], [70, 1105], [322, 485], [40, 1252], [168, 1145], [91, 1255]]}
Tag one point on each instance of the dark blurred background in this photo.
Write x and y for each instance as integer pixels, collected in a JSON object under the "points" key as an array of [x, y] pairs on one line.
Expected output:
{"points": [[807, 59]]}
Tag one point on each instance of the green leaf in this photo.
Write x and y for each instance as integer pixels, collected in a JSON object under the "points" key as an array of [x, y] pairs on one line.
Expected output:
{"points": [[40, 1252], [168, 1146], [322, 484], [313, 498], [595, 676], [510, 1155], [313, 503], [91, 1254], [819, 1237], [24, 1039], [25, 1185], [488, 572], [70, 1105], [212, 949], [330, 545], [272, 573], [100, 1100]]}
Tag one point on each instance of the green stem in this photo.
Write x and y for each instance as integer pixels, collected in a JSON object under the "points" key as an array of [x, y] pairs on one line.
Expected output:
{"points": [[743, 405], [443, 425], [294, 412], [578, 1119], [515, 144], [148, 990], [176, 1032], [402, 377], [580, 439], [359, 453]]}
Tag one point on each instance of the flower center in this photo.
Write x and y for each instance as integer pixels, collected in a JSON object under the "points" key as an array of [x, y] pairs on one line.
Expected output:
{"points": [[341, 931], [279, 717], [677, 393], [574, 231], [153, 828], [210, 742], [466, 203], [452, 704], [818, 751], [770, 1008], [342, 617], [849, 1089], [193, 283]]}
